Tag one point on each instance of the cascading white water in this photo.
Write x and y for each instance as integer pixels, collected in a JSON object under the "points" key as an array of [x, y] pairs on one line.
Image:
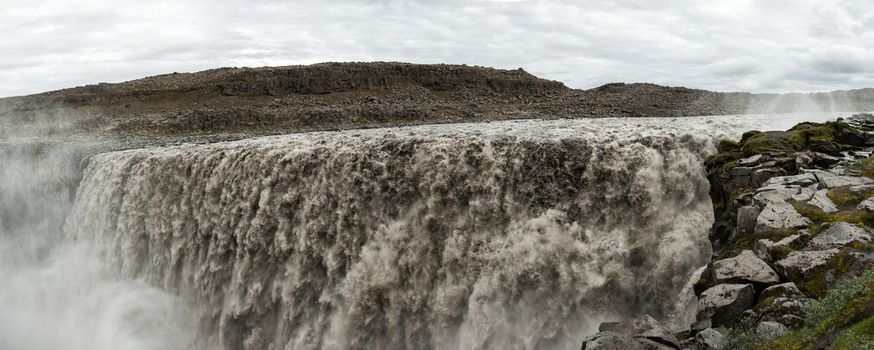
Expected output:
{"points": [[57, 293], [503, 235]]}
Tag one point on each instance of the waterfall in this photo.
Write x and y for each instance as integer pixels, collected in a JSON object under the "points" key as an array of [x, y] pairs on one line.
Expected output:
{"points": [[519, 235], [424, 237], [57, 293]]}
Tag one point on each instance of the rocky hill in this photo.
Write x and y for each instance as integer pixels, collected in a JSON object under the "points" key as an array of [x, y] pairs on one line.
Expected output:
{"points": [[356, 95]]}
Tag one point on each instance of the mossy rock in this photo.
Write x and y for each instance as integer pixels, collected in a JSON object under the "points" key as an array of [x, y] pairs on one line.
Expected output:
{"points": [[865, 167], [819, 217], [817, 282]]}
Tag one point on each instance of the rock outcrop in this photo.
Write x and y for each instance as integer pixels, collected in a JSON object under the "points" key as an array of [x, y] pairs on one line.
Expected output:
{"points": [[794, 219]]}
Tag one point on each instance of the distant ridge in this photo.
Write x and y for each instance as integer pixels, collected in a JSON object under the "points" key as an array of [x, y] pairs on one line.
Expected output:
{"points": [[352, 95]]}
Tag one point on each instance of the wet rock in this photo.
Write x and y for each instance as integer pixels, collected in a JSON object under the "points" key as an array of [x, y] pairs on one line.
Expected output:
{"points": [[820, 199], [723, 303], [745, 267], [837, 235], [839, 181], [770, 330], [779, 215], [709, 339]]}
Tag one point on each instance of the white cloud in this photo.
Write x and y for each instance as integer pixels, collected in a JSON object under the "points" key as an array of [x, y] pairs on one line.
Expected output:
{"points": [[804, 45]]}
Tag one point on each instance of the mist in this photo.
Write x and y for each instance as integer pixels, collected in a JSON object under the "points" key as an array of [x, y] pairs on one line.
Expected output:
{"points": [[59, 293]]}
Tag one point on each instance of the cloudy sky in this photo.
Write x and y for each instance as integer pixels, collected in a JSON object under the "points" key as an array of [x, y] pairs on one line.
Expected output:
{"points": [[754, 45]]}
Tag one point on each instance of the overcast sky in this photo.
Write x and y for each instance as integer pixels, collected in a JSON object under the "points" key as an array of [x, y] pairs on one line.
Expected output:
{"points": [[756, 45]]}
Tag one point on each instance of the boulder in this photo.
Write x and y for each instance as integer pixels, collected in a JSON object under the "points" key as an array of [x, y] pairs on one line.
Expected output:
{"points": [[723, 303], [866, 205], [780, 215], [645, 327], [746, 219], [779, 193], [709, 339], [839, 181], [837, 235], [611, 341], [745, 267], [820, 174], [762, 249], [750, 161], [770, 330], [787, 310], [788, 289], [797, 266], [762, 175], [862, 189], [823, 160], [820, 199], [800, 179]]}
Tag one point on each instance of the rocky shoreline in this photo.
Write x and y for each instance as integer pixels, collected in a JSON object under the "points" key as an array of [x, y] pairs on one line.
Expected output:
{"points": [[793, 261]]}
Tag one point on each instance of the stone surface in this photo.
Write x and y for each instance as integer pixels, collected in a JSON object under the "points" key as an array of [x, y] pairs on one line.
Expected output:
{"points": [[709, 339], [820, 199], [780, 215], [820, 174], [645, 327], [760, 176], [837, 235], [800, 179], [839, 181], [788, 289], [723, 303], [798, 265], [611, 341], [866, 205], [746, 219], [753, 160], [770, 330], [762, 248], [745, 267], [862, 189]]}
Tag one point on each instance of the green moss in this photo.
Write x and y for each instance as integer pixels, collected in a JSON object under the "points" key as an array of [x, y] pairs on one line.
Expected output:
{"points": [[723, 160], [818, 216], [844, 197], [817, 282], [857, 337], [727, 145], [865, 167], [766, 142], [780, 252], [844, 313]]}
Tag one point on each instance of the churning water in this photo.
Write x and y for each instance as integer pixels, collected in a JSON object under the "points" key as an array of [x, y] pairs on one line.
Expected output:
{"points": [[519, 234]]}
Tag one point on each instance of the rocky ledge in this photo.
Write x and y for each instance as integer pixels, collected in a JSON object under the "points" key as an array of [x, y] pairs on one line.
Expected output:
{"points": [[793, 264]]}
